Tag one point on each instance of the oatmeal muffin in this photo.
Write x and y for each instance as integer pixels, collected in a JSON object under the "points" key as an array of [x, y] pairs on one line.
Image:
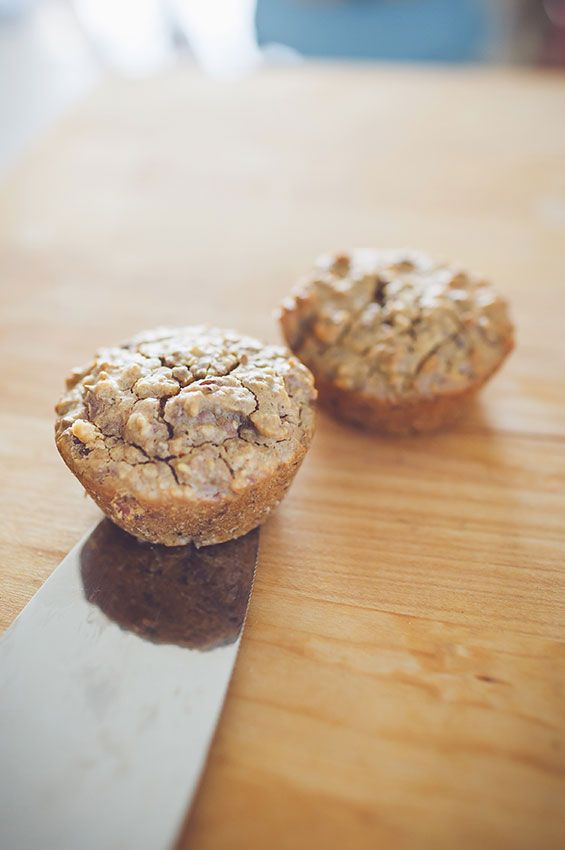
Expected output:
{"points": [[397, 342], [187, 434]]}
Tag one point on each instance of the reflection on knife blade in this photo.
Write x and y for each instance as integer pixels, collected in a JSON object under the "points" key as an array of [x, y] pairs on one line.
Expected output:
{"points": [[183, 595]]}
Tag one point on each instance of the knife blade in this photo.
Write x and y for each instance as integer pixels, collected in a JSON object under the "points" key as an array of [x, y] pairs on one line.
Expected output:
{"points": [[112, 680]]}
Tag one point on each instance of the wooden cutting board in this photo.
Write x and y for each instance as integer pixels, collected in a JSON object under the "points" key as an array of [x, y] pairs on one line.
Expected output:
{"points": [[400, 683]]}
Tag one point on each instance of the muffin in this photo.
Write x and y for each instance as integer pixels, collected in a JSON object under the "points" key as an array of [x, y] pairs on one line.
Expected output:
{"points": [[398, 342], [187, 434]]}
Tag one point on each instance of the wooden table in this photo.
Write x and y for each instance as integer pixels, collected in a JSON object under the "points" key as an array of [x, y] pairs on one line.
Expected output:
{"points": [[400, 683]]}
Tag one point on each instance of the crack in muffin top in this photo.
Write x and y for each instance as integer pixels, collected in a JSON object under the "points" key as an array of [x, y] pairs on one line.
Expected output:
{"points": [[196, 410], [396, 325]]}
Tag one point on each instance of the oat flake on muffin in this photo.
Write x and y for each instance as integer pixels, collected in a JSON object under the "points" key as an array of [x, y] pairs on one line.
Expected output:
{"points": [[396, 340], [187, 434]]}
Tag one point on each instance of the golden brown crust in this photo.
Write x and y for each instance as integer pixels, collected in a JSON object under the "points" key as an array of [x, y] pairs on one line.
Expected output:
{"points": [[399, 418], [172, 520]]}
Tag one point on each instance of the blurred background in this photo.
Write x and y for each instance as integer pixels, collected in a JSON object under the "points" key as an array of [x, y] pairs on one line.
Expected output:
{"points": [[53, 51]]}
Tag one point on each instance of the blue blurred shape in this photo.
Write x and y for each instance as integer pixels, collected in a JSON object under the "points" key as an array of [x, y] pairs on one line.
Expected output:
{"points": [[417, 30]]}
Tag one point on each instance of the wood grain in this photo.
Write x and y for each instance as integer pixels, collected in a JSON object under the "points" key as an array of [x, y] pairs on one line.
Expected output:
{"points": [[400, 683]]}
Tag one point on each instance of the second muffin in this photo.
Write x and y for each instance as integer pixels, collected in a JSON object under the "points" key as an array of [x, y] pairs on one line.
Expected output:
{"points": [[397, 342]]}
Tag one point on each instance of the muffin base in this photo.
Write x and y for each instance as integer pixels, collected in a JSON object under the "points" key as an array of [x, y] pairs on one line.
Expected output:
{"points": [[416, 416], [173, 520]]}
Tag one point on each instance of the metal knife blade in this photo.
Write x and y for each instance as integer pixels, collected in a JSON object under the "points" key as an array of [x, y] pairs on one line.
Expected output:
{"points": [[112, 680]]}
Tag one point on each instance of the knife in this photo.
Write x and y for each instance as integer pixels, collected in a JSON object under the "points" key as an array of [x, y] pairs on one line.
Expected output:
{"points": [[112, 680]]}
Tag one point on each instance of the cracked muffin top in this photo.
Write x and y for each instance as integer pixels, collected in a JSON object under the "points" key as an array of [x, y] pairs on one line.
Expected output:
{"points": [[196, 410], [396, 325]]}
